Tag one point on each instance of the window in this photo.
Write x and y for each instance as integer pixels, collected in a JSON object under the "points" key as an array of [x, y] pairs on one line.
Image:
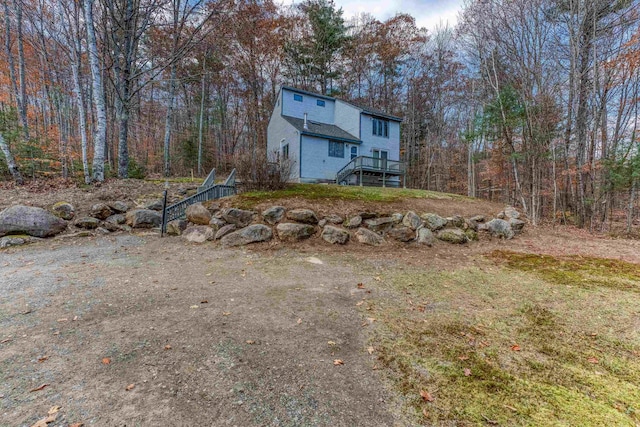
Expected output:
{"points": [[297, 97], [354, 152], [320, 103], [336, 149], [380, 127], [285, 151]]}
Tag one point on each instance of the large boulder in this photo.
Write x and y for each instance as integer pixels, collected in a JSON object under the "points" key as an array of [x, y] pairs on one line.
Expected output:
{"points": [[402, 233], [291, 232], [433, 222], [335, 235], [368, 237], [198, 214], [87, 222], [224, 230], [155, 205], [305, 216], [380, 224], [251, 234], [426, 237], [176, 227], [198, 233], [456, 221], [100, 211], [273, 215], [116, 219], [239, 217], [397, 217], [334, 219], [63, 210], [216, 224], [119, 206], [452, 235], [412, 220], [143, 218], [516, 225], [353, 222], [29, 220], [511, 212], [498, 228]]}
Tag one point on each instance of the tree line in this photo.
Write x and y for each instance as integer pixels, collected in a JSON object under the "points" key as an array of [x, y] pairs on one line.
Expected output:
{"points": [[528, 102]]}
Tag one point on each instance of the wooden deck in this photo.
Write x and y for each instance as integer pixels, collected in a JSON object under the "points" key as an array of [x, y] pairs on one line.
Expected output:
{"points": [[372, 171]]}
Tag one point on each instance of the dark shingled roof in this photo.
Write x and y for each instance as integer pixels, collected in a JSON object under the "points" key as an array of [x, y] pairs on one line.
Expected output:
{"points": [[322, 130]]}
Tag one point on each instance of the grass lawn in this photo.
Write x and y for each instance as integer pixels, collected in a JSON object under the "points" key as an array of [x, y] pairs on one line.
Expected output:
{"points": [[341, 192], [517, 339]]}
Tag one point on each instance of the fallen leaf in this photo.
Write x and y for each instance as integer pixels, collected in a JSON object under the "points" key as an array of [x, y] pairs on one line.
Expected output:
{"points": [[467, 372], [337, 362], [195, 306], [76, 425], [250, 342], [204, 301], [359, 303], [6, 340], [360, 285], [426, 396], [299, 321], [331, 343], [38, 388], [53, 410], [106, 360], [42, 359], [75, 318], [593, 360], [167, 347], [41, 423], [226, 313], [130, 387], [515, 347], [370, 349], [463, 357], [425, 413], [63, 320]]}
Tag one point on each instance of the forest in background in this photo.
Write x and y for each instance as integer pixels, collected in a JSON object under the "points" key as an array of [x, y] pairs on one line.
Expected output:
{"points": [[528, 102]]}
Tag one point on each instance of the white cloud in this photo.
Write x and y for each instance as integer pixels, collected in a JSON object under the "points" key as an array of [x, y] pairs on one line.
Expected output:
{"points": [[428, 13]]}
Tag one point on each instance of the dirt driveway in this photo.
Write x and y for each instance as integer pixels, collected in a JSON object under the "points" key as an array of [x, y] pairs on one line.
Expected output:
{"points": [[200, 335]]}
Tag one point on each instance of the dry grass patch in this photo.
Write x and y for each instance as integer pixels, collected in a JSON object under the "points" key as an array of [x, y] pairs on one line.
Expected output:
{"points": [[508, 346]]}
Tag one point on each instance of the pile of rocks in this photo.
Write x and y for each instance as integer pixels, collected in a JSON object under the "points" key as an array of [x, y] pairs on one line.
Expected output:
{"points": [[235, 227], [24, 224]]}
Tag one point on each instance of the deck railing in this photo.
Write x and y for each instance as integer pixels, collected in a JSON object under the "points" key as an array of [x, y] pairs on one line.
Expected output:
{"points": [[209, 180], [371, 164], [216, 191]]}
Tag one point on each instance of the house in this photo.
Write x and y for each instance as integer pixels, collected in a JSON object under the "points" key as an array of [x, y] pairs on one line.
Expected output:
{"points": [[334, 141]]}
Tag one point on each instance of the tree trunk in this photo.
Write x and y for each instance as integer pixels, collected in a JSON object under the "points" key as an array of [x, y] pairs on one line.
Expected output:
{"points": [[11, 163], [100, 136], [82, 119], [167, 123], [17, 4]]}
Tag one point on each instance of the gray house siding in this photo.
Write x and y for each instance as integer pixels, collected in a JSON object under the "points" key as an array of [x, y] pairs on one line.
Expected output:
{"points": [[277, 131], [371, 141], [316, 164], [347, 117], [308, 105]]}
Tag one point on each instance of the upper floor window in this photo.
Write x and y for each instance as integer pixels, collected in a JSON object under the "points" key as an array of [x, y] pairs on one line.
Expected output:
{"points": [[381, 127], [336, 149], [297, 97], [320, 103]]}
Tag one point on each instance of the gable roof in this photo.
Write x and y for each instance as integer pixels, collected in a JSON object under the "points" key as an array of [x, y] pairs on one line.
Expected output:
{"points": [[367, 110], [322, 130]]}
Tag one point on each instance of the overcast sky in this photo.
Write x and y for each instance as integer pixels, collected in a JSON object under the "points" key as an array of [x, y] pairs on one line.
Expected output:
{"points": [[428, 13]]}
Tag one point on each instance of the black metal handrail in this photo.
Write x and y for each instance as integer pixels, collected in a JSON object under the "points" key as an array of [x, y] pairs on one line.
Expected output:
{"points": [[209, 180], [217, 191]]}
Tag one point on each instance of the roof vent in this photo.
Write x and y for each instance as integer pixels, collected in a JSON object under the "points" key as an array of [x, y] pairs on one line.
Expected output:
{"points": [[306, 125]]}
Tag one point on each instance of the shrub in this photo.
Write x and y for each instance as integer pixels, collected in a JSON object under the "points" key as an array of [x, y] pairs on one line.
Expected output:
{"points": [[262, 170]]}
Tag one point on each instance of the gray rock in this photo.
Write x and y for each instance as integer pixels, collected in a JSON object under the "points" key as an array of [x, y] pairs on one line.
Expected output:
{"points": [[224, 230], [426, 237], [239, 217], [273, 215], [367, 215], [322, 223], [477, 218], [498, 228], [87, 222], [119, 206], [116, 219], [305, 216], [471, 224], [335, 235], [30, 220], [8, 241], [452, 235], [100, 211], [155, 205], [111, 226], [213, 207], [102, 230], [63, 210], [198, 233], [397, 217], [176, 227], [217, 223], [516, 225], [380, 224], [291, 232], [402, 233], [198, 214], [354, 222], [472, 235], [334, 219], [252, 234], [143, 218], [433, 222], [511, 212], [412, 220], [455, 221], [368, 237]]}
